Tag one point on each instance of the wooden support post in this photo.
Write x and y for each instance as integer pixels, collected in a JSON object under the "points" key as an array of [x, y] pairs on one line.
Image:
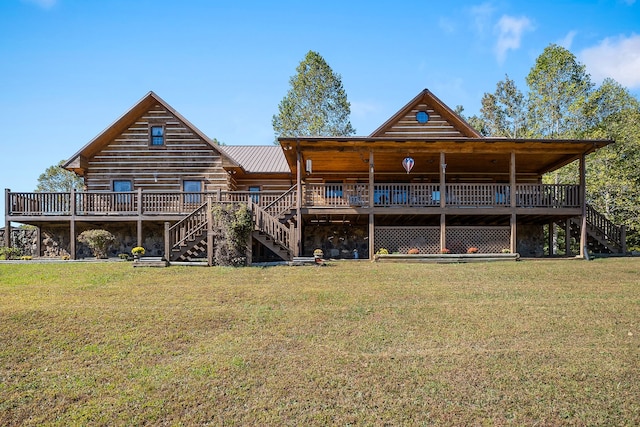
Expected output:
{"points": [[513, 243], [72, 224], [443, 188], [210, 239], [139, 231], [72, 237], [298, 250], [372, 226], [443, 232], [512, 179], [7, 219], [551, 241], [140, 207], [583, 204], [567, 237], [623, 239], [167, 243]]}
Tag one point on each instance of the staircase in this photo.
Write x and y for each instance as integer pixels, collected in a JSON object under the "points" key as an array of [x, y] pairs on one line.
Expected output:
{"points": [[271, 232], [603, 236], [189, 238]]}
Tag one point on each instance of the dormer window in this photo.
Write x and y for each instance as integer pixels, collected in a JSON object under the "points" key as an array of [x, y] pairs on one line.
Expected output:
{"points": [[157, 136]]}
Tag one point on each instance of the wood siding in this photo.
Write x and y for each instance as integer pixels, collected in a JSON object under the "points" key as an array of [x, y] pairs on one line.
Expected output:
{"points": [[185, 155], [408, 127]]}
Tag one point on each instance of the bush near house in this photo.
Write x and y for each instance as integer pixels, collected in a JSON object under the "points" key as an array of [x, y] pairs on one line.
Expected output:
{"points": [[99, 241]]}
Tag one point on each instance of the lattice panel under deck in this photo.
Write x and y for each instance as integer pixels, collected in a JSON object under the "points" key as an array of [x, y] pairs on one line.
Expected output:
{"points": [[486, 239], [401, 239]]}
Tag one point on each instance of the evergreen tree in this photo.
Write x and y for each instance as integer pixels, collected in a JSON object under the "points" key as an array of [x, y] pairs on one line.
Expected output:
{"points": [[316, 104]]}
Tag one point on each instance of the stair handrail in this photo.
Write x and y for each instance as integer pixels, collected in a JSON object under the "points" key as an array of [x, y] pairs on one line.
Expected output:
{"points": [[266, 223], [286, 206], [610, 231], [188, 227]]}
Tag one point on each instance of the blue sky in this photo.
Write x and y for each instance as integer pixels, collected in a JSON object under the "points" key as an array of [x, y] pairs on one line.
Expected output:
{"points": [[69, 68]]}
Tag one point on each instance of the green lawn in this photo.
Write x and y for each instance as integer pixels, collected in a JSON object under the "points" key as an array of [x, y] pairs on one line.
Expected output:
{"points": [[533, 342]]}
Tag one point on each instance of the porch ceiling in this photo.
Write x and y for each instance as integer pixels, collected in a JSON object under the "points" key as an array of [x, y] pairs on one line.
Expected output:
{"points": [[462, 156]]}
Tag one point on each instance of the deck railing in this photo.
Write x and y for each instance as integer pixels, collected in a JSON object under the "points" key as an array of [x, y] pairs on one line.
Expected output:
{"points": [[329, 195]]}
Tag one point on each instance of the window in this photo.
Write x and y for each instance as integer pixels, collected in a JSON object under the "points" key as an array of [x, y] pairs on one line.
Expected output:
{"points": [[157, 136], [193, 189], [122, 186], [255, 198]]}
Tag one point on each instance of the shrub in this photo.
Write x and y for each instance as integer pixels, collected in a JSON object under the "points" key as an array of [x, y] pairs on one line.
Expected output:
{"points": [[413, 251], [506, 251], [445, 251], [382, 251], [98, 241], [10, 253], [472, 250], [234, 226]]}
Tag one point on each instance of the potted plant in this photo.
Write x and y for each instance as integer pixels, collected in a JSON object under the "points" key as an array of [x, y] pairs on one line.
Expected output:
{"points": [[413, 251], [137, 252], [445, 251], [472, 250]]}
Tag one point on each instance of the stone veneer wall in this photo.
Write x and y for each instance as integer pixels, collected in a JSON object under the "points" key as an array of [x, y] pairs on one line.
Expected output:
{"points": [[55, 239], [25, 239], [530, 240], [337, 240]]}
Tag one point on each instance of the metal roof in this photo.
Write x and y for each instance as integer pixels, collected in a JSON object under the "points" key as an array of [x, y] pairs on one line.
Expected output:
{"points": [[258, 158]]}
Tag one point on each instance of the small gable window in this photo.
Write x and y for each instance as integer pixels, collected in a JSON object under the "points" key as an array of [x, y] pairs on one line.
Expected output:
{"points": [[157, 136], [422, 117]]}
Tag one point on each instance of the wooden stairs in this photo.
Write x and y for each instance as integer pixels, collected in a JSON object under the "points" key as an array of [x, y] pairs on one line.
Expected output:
{"points": [[603, 236], [193, 237]]}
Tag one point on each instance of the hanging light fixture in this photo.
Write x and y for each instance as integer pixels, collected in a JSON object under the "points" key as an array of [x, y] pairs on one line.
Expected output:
{"points": [[408, 163]]}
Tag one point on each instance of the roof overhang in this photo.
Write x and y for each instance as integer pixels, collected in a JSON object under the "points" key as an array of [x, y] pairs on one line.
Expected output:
{"points": [[337, 155]]}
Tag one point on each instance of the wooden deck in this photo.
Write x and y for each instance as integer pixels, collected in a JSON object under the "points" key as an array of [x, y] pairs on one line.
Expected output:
{"points": [[338, 198]]}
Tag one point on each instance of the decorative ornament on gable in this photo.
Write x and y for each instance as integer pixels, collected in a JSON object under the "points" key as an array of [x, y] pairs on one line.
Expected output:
{"points": [[408, 163]]}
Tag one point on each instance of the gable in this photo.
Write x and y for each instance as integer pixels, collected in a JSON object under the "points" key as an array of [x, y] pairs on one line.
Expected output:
{"points": [[78, 163], [425, 116]]}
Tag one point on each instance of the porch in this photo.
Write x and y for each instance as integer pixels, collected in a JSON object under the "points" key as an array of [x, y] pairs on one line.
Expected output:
{"points": [[31, 206]]}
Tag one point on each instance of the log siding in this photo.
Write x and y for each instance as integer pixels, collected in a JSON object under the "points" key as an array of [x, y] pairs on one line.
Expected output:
{"points": [[129, 156]]}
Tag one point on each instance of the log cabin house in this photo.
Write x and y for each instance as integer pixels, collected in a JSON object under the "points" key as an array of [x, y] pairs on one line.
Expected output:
{"points": [[423, 180]]}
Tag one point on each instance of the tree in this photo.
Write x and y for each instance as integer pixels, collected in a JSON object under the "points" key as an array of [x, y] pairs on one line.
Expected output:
{"points": [[316, 104], [559, 87], [55, 179], [504, 112]]}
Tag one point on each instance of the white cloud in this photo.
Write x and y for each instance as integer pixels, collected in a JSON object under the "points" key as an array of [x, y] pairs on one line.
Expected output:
{"points": [[567, 41], [481, 16], [615, 57], [510, 31], [45, 4]]}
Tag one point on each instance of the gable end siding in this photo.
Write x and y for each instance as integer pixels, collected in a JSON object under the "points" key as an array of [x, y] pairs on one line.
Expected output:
{"points": [[436, 127], [129, 157]]}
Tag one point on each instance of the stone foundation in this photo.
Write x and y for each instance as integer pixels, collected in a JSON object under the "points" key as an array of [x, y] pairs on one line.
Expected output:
{"points": [[25, 239], [337, 241], [56, 243], [530, 240]]}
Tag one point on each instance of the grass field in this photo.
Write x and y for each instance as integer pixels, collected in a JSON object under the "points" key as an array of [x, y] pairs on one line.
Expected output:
{"points": [[528, 343]]}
